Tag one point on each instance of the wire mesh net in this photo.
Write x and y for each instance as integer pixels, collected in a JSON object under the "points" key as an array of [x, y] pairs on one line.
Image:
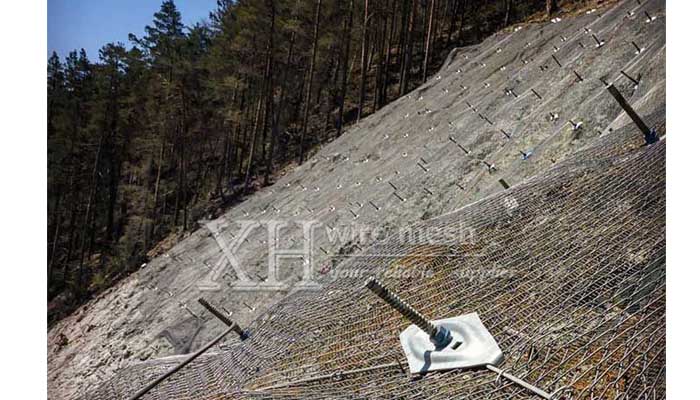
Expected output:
{"points": [[566, 270]]}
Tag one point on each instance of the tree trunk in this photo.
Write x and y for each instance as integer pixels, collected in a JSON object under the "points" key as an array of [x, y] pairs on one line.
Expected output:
{"points": [[88, 223], [506, 19], [332, 99], [183, 187], [278, 110], [114, 161], [363, 62], [401, 57], [270, 91], [551, 7], [156, 193], [462, 19], [387, 59], [379, 75], [57, 224], [427, 41], [453, 19], [253, 143], [223, 165], [346, 59], [439, 20], [409, 49], [304, 125]]}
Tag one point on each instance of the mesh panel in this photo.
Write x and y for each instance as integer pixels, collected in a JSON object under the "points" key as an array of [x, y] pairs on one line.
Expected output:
{"points": [[566, 270]]}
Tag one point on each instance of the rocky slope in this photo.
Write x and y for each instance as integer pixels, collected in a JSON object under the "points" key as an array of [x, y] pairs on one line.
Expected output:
{"points": [[439, 148]]}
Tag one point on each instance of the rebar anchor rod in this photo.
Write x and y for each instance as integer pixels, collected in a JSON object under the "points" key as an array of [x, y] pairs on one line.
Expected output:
{"points": [[182, 364], [439, 335], [241, 333], [649, 135]]}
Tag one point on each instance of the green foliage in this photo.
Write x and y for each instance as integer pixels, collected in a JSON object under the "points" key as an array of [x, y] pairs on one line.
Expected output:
{"points": [[155, 136]]}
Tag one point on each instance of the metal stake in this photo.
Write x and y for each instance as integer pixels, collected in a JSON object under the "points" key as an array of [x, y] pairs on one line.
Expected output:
{"points": [[399, 197], [599, 43], [178, 367], [639, 49], [486, 119], [650, 135], [575, 125], [439, 335], [649, 17], [458, 145], [635, 81], [242, 334], [557, 61]]}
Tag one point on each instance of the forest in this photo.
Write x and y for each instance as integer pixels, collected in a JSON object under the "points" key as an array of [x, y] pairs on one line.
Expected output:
{"points": [[181, 122]]}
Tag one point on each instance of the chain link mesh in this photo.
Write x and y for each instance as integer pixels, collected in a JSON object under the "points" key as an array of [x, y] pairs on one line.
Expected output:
{"points": [[566, 270]]}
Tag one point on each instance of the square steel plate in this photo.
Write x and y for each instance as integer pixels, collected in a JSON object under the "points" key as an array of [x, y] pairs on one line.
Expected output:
{"points": [[472, 346]]}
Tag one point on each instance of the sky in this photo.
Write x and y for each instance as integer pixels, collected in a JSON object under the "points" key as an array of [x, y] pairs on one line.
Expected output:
{"points": [[91, 24]]}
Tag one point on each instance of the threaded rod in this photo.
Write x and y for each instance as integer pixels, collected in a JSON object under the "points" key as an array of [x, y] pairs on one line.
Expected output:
{"points": [[241, 333], [178, 367], [214, 311], [399, 305]]}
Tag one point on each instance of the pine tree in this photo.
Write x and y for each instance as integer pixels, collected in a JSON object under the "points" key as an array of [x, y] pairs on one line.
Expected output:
{"points": [[185, 120]]}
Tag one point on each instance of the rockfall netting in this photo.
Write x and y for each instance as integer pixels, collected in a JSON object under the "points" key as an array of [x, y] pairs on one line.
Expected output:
{"points": [[566, 270], [516, 93]]}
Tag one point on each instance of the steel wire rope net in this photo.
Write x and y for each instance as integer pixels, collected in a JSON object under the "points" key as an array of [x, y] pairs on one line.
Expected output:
{"points": [[567, 270]]}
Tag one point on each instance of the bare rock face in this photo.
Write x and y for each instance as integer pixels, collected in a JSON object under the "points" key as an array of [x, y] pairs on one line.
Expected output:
{"points": [[505, 109]]}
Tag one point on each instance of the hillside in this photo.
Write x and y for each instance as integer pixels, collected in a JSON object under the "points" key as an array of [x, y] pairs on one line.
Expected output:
{"points": [[433, 145], [567, 271]]}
